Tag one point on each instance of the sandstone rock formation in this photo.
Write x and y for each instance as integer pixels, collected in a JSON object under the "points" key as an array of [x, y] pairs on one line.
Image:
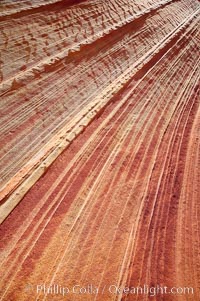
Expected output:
{"points": [[99, 157]]}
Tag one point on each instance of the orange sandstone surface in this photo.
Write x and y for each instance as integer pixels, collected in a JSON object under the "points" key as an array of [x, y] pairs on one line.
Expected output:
{"points": [[99, 156]]}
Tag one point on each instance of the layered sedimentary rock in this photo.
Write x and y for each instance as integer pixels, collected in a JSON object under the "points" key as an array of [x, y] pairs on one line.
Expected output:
{"points": [[99, 148]]}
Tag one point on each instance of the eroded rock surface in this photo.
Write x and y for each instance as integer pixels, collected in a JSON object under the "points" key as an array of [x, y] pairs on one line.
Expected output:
{"points": [[99, 152]]}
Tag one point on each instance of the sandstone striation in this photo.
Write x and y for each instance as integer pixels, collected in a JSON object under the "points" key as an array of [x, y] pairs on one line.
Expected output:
{"points": [[99, 157]]}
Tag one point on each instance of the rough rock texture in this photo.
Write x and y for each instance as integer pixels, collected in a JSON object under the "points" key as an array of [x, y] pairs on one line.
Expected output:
{"points": [[99, 157]]}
